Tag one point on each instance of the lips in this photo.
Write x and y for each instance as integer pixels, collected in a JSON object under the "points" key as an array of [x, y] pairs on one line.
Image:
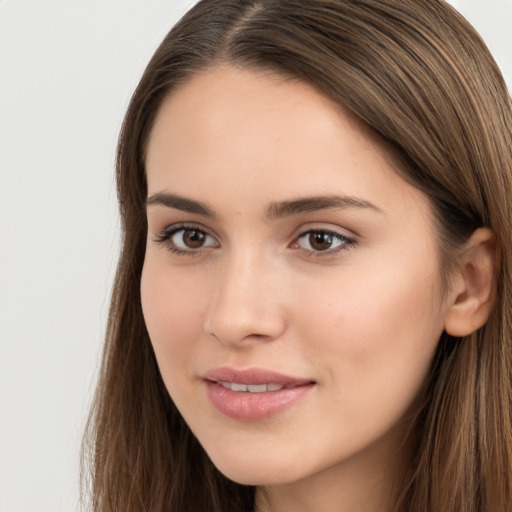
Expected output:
{"points": [[253, 394]]}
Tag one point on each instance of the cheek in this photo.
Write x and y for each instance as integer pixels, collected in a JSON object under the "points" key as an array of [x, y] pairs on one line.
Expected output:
{"points": [[376, 335], [173, 311]]}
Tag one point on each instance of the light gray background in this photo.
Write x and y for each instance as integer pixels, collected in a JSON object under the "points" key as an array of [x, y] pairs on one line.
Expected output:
{"points": [[67, 70]]}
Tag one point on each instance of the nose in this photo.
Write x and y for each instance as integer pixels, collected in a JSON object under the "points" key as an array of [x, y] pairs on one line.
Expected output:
{"points": [[246, 306]]}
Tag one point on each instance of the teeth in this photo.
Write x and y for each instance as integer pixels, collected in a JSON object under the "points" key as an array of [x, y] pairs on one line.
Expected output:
{"points": [[257, 388], [274, 387], [251, 388]]}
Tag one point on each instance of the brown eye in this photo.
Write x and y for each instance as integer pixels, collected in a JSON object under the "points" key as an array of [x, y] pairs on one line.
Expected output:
{"points": [[190, 240], [193, 239], [320, 240]]}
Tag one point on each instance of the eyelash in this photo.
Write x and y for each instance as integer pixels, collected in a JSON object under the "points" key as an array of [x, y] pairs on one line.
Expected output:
{"points": [[165, 238], [345, 243]]}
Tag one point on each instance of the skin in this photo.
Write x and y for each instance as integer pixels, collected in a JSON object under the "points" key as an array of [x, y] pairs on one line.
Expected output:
{"points": [[360, 319]]}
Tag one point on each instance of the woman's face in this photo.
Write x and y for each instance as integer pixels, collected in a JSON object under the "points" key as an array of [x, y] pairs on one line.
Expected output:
{"points": [[290, 288]]}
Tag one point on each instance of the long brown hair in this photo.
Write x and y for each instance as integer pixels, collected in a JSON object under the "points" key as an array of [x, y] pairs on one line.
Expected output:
{"points": [[417, 74]]}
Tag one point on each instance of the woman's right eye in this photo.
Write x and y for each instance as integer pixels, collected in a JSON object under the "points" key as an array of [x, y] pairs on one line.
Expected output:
{"points": [[186, 240]]}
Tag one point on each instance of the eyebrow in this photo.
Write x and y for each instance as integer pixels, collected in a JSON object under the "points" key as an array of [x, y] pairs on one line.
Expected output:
{"points": [[273, 211], [180, 203], [316, 203]]}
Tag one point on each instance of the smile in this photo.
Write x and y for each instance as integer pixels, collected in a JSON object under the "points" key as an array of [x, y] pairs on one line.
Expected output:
{"points": [[254, 394], [251, 388]]}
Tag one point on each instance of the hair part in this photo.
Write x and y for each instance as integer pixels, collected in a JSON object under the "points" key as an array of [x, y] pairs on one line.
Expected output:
{"points": [[421, 79]]}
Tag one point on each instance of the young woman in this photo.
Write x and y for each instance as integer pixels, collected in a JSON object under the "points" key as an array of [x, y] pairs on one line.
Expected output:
{"points": [[312, 309]]}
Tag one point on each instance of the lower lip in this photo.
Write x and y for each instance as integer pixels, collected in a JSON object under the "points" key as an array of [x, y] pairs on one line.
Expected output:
{"points": [[254, 406]]}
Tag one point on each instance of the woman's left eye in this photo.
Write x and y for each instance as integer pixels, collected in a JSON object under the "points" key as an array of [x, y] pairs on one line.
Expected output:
{"points": [[322, 241]]}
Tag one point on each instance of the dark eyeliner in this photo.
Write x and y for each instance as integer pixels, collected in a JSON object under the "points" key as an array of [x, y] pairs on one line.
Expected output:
{"points": [[347, 243], [164, 238]]}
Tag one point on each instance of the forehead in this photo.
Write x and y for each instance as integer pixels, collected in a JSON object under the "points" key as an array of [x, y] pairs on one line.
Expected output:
{"points": [[221, 100], [258, 132]]}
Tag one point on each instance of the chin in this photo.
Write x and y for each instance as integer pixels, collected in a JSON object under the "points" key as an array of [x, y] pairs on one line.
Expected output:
{"points": [[255, 478], [256, 471]]}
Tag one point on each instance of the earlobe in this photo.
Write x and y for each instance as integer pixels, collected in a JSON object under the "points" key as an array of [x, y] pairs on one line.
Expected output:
{"points": [[474, 292]]}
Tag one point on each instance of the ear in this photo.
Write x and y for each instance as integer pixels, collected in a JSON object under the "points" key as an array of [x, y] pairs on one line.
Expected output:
{"points": [[473, 292]]}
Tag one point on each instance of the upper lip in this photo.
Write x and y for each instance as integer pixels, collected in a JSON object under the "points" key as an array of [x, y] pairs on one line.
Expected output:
{"points": [[253, 376]]}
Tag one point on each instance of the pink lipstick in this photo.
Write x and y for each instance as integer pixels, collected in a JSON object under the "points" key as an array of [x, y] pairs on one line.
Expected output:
{"points": [[253, 394]]}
